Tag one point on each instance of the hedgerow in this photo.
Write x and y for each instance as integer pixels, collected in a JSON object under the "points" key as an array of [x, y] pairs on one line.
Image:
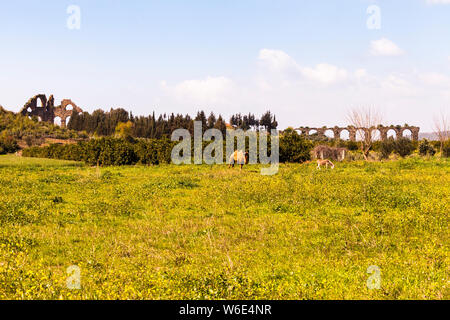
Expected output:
{"points": [[107, 152], [114, 151]]}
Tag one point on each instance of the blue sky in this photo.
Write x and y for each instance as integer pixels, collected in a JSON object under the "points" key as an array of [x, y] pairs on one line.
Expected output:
{"points": [[307, 61]]}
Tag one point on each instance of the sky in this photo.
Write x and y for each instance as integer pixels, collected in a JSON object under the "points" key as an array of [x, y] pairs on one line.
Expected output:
{"points": [[309, 62]]}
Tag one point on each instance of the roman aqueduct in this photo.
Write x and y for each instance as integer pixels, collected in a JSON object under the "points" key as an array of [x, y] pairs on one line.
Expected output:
{"points": [[47, 111], [352, 131]]}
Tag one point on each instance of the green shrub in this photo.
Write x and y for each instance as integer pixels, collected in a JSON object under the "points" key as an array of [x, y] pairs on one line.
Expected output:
{"points": [[294, 148], [386, 147], [436, 144], [8, 145], [425, 148], [403, 147], [107, 152], [446, 149], [154, 151], [352, 145]]}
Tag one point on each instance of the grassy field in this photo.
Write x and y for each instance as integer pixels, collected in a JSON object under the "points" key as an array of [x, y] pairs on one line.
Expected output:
{"points": [[207, 232]]}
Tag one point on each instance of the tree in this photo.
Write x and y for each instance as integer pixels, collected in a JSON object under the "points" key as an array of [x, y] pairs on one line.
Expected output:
{"points": [[442, 129], [365, 118], [211, 121], [403, 147], [425, 148], [294, 147], [268, 121], [74, 122], [202, 117], [387, 147], [221, 125], [124, 129]]}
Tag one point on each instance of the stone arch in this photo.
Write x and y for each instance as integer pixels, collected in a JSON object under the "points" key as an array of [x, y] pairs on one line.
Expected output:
{"points": [[67, 102], [329, 133], [414, 132], [33, 108], [299, 131], [32, 103], [40, 103], [376, 134], [391, 132], [64, 112], [344, 134], [48, 111], [406, 133], [361, 133]]}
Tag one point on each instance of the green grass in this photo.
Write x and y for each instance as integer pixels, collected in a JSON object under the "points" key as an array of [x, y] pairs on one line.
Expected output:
{"points": [[208, 232], [15, 161]]}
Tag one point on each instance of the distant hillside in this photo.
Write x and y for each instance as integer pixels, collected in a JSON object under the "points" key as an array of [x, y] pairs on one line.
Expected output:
{"points": [[429, 135]]}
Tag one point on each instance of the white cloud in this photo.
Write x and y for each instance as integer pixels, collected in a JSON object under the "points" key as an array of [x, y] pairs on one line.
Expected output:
{"points": [[279, 62], [325, 73], [397, 84], [385, 47], [211, 90]]}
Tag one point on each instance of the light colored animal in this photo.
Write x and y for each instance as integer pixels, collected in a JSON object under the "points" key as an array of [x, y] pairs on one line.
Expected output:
{"points": [[238, 157], [325, 162]]}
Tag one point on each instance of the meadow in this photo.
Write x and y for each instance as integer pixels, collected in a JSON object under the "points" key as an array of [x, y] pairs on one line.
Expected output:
{"points": [[209, 232]]}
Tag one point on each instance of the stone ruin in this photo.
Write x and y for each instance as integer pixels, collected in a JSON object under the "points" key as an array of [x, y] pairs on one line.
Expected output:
{"points": [[47, 111], [326, 152], [383, 131]]}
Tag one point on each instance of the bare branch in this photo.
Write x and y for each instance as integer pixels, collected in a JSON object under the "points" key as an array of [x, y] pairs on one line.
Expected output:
{"points": [[442, 128], [365, 120]]}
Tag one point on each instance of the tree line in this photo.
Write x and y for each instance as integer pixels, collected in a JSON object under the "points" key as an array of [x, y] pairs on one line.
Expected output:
{"points": [[103, 123], [107, 151]]}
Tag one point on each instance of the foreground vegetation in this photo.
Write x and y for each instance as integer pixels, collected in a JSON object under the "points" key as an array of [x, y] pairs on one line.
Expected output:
{"points": [[206, 232]]}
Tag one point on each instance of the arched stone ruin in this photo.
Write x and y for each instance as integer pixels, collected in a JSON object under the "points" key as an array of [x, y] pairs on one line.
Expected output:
{"points": [[327, 152], [383, 131], [48, 111]]}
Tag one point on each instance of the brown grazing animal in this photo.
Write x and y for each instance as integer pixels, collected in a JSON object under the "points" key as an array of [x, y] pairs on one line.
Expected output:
{"points": [[325, 162], [239, 157]]}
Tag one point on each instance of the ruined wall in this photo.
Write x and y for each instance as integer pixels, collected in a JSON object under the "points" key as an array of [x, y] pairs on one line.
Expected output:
{"points": [[47, 111], [327, 152], [383, 131]]}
